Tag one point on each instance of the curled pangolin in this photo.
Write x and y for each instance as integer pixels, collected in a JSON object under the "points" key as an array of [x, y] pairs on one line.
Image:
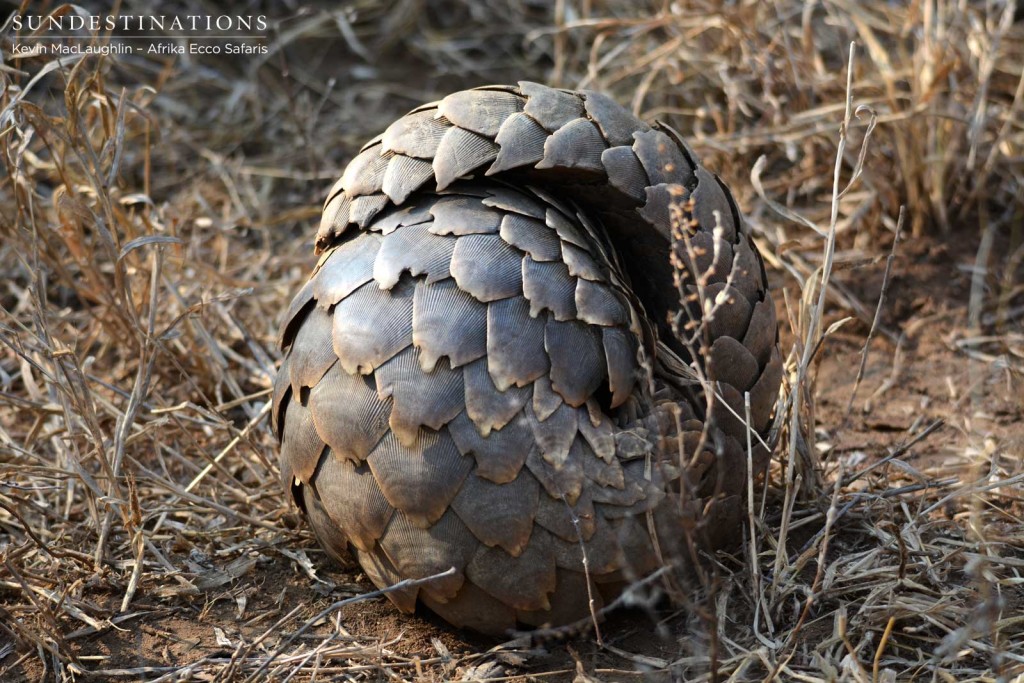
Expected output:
{"points": [[490, 368]]}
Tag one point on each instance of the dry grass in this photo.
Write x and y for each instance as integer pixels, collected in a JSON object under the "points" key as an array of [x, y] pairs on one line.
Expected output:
{"points": [[156, 214]]}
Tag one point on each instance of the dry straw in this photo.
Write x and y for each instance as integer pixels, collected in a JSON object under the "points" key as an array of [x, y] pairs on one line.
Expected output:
{"points": [[155, 216]]}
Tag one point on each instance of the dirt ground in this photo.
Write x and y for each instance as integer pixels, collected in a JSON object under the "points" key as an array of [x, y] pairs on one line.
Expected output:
{"points": [[918, 372]]}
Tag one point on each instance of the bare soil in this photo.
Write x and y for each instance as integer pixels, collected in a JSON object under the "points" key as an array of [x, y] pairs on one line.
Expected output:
{"points": [[916, 373]]}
